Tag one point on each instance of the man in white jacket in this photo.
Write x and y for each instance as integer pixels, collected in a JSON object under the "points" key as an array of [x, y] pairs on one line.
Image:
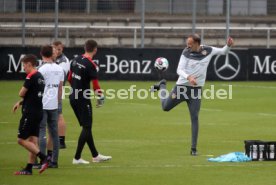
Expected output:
{"points": [[192, 69]]}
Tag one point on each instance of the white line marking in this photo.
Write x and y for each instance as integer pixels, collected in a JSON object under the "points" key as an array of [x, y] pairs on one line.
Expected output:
{"points": [[207, 155], [92, 165], [215, 110], [73, 141], [119, 103], [220, 124], [8, 143], [251, 86], [14, 143], [129, 141], [3, 122], [266, 114]]}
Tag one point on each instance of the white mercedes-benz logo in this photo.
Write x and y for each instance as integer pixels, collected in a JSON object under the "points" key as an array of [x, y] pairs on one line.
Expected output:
{"points": [[231, 67]]}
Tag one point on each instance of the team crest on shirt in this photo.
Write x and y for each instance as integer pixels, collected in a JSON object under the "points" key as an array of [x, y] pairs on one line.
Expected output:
{"points": [[40, 81], [204, 52]]}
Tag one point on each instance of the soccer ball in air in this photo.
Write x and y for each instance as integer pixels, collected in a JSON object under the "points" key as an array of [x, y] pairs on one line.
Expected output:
{"points": [[161, 64]]}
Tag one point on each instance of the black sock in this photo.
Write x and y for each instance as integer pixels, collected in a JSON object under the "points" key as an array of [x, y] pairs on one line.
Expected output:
{"points": [[41, 156], [49, 153], [29, 167], [62, 140]]}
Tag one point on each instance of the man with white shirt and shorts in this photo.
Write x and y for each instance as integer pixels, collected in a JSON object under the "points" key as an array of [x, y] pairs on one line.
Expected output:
{"points": [[53, 75], [192, 69], [64, 63]]}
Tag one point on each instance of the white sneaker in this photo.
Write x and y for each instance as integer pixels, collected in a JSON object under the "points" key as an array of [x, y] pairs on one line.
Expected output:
{"points": [[101, 158], [80, 161]]}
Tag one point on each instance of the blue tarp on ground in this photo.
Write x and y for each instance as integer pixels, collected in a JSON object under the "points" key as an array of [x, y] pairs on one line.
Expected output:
{"points": [[231, 157]]}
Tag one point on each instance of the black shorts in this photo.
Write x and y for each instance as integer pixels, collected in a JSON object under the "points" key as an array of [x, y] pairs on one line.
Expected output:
{"points": [[83, 111], [29, 125]]}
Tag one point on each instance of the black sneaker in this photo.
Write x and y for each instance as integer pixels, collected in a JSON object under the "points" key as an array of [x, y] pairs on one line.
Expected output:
{"points": [[193, 152], [156, 87], [23, 172], [53, 165], [62, 146]]}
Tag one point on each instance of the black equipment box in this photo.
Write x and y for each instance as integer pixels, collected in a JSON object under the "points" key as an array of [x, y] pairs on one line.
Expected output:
{"points": [[259, 150]]}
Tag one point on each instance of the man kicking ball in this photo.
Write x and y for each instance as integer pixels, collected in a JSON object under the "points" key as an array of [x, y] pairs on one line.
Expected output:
{"points": [[191, 69]]}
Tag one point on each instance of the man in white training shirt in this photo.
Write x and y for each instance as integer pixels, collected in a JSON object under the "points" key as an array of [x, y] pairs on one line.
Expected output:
{"points": [[53, 77], [192, 69]]}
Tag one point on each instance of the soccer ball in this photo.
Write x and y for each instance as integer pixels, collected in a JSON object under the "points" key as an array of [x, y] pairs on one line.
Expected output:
{"points": [[161, 64]]}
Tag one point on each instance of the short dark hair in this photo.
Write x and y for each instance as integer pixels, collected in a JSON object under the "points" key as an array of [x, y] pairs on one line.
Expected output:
{"points": [[90, 45], [30, 58], [46, 51], [196, 38], [57, 43]]}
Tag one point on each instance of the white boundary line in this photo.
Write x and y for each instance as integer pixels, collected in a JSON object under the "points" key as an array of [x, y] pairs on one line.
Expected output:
{"points": [[266, 114], [4, 122], [215, 110], [251, 86], [121, 103], [15, 143], [211, 164]]}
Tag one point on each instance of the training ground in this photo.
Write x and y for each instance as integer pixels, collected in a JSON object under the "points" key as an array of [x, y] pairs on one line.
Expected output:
{"points": [[149, 146]]}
